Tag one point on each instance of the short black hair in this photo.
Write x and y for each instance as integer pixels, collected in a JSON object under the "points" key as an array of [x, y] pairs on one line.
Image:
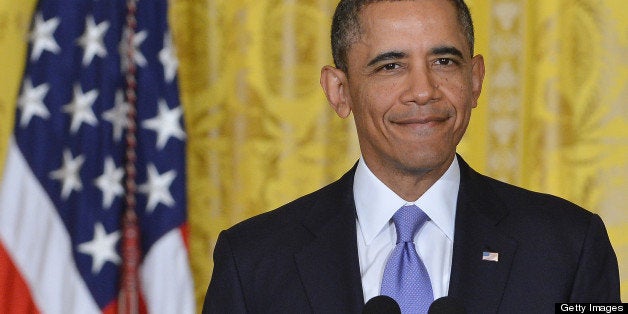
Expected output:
{"points": [[345, 27]]}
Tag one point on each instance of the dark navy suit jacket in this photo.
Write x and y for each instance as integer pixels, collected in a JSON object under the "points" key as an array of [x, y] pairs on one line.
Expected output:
{"points": [[303, 256]]}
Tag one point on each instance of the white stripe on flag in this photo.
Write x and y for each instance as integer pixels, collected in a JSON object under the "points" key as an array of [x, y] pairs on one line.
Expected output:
{"points": [[38, 242], [166, 279]]}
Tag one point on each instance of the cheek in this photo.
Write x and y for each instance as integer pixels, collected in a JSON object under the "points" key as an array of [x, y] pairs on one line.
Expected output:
{"points": [[457, 95], [461, 102], [462, 120], [374, 102]]}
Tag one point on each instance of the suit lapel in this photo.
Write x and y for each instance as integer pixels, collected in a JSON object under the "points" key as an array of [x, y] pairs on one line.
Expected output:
{"points": [[328, 265], [477, 282]]}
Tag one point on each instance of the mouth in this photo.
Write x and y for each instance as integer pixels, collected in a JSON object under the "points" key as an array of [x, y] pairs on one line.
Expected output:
{"points": [[421, 120], [421, 126]]}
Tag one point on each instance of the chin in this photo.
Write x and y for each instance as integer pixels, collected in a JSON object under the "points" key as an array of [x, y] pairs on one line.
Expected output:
{"points": [[423, 162]]}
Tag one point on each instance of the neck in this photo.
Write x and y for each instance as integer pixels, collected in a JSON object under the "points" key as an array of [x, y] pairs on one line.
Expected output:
{"points": [[410, 183]]}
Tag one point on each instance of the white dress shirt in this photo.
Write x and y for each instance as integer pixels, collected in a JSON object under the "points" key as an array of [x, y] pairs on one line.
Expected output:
{"points": [[376, 236]]}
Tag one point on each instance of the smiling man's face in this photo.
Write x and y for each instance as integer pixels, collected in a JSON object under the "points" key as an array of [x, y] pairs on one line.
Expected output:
{"points": [[411, 85]]}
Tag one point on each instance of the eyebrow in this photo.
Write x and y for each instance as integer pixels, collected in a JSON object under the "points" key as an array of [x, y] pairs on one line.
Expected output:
{"points": [[390, 55], [447, 50]]}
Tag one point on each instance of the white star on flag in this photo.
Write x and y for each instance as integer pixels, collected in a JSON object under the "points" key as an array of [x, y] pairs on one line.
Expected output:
{"points": [[92, 40], [42, 36], [81, 108], [166, 124], [117, 116], [69, 173], [138, 39], [158, 188], [110, 182], [168, 58], [102, 247], [31, 102]]}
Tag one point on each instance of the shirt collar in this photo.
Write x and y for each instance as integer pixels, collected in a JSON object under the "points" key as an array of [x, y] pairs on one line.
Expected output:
{"points": [[376, 203]]}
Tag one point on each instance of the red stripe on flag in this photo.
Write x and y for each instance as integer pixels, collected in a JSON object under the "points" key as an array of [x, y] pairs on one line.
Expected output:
{"points": [[112, 308], [16, 297], [185, 234]]}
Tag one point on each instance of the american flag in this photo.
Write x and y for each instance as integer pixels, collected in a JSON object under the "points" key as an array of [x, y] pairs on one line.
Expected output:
{"points": [[65, 184], [490, 256]]}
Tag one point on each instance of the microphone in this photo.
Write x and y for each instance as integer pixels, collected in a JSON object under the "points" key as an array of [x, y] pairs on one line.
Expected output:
{"points": [[381, 304], [446, 305]]}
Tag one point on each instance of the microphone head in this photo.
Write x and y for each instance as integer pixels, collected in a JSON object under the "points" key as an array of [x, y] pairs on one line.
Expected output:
{"points": [[381, 304], [446, 305]]}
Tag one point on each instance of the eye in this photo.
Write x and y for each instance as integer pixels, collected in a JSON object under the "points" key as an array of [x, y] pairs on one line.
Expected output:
{"points": [[390, 66], [444, 61]]}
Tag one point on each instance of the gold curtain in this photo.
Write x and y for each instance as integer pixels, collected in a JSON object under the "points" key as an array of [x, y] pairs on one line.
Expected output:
{"points": [[552, 117]]}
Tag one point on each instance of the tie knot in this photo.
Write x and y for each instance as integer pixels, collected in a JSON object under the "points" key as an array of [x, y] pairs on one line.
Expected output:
{"points": [[408, 220]]}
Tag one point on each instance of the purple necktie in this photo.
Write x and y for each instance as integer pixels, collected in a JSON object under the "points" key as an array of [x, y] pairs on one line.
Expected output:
{"points": [[405, 277]]}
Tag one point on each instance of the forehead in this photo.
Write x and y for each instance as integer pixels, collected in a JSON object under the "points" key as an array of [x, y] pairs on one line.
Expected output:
{"points": [[386, 18]]}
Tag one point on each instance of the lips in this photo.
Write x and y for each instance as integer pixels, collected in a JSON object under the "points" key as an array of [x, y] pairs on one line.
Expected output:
{"points": [[421, 120]]}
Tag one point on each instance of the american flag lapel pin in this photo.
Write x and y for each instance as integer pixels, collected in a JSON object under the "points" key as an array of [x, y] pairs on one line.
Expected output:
{"points": [[490, 256]]}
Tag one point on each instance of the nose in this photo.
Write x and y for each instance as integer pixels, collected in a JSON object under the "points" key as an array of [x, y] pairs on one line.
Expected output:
{"points": [[421, 86]]}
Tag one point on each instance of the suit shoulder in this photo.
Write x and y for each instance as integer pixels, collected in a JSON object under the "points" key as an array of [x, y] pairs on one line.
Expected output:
{"points": [[289, 215], [524, 208], [533, 214], [276, 218], [517, 197]]}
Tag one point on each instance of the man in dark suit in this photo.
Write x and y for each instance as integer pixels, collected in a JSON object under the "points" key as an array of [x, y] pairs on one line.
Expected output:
{"points": [[407, 72]]}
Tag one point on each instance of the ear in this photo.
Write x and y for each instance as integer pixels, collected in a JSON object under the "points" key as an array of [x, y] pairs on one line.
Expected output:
{"points": [[477, 77], [334, 83]]}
